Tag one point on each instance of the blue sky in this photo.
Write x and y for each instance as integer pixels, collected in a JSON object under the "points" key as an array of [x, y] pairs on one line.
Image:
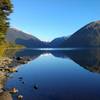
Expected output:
{"points": [[48, 19]]}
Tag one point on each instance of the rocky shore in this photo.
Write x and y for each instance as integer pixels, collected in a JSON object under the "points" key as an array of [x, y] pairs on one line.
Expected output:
{"points": [[7, 66], [5, 61], [10, 62]]}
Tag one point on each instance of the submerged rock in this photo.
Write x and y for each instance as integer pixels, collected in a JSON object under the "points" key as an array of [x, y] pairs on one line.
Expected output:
{"points": [[23, 82], [36, 86], [20, 97], [22, 60], [20, 78], [13, 90]]}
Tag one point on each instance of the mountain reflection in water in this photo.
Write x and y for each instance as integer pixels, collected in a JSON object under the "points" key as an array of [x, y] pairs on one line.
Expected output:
{"points": [[86, 58]]}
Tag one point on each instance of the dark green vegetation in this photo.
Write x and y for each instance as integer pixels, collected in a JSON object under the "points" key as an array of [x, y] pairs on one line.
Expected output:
{"points": [[5, 10]]}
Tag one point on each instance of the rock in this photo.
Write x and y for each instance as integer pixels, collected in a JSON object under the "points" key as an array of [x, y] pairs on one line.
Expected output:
{"points": [[23, 82], [13, 69], [19, 58], [5, 61], [20, 97], [16, 71], [14, 90], [1, 91], [2, 74], [20, 78], [5, 96], [36, 86], [22, 60]]}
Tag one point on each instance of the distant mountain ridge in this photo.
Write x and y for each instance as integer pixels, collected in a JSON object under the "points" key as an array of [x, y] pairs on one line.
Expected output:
{"points": [[57, 42], [30, 41], [87, 36], [22, 38]]}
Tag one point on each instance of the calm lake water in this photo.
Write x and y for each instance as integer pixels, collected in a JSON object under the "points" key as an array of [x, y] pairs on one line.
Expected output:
{"points": [[71, 74]]}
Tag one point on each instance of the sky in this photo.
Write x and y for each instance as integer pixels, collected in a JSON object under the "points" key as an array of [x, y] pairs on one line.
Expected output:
{"points": [[48, 19]]}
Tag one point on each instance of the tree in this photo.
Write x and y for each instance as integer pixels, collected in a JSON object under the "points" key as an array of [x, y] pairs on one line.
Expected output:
{"points": [[6, 8]]}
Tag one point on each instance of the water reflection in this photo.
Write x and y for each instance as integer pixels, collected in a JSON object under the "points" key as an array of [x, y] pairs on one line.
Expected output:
{"points": [[86, 58], [10, 61]]}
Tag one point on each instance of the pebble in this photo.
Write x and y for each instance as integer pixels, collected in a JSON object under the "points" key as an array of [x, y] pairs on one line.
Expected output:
{"points": [[36, 86], [16, 70], [13, 90], [20, 97], [20, 78], [23, 82], [19, 58]]}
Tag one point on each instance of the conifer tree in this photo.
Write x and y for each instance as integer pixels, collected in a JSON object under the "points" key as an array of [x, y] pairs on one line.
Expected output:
{"points": [[6, 9]]}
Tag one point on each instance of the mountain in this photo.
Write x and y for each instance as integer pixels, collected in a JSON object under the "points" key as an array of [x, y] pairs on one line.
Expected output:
{"points": [[22, 38], [88, 36], [57, 42], [30, 41]]}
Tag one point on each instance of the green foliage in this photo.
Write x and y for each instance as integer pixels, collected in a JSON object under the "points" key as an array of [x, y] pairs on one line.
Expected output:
{"points": [[5, 9], [7, 49]]}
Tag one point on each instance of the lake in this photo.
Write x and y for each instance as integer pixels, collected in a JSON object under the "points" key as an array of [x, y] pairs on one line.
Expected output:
{"points": [[63, 74]]}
